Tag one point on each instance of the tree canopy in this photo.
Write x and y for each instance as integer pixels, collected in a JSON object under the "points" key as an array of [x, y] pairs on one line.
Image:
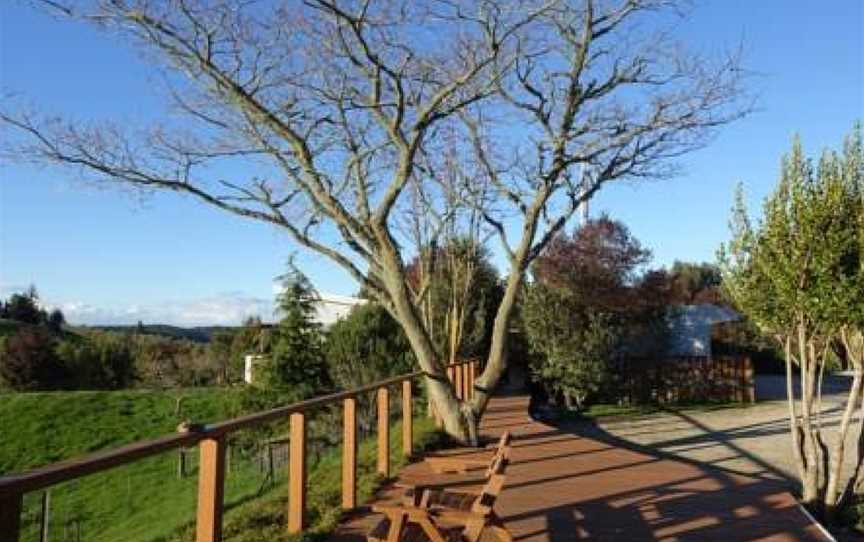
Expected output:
{"points": [[798, 274]]}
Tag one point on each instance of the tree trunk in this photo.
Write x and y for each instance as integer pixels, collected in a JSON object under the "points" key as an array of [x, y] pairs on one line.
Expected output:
{"points": [[456, 422], [832, 492], [496, 363], [837, 491]]}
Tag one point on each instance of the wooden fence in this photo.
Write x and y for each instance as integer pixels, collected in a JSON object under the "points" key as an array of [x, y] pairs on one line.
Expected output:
{"points": [[211, 442], [688, 379]]}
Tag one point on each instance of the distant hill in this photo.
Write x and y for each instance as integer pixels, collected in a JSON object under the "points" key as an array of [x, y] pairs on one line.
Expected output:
{"points": [[200, 334]]}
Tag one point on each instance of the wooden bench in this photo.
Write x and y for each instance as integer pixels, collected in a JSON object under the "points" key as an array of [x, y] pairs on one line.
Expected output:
{"points": [[445, 516], [443, 464]]}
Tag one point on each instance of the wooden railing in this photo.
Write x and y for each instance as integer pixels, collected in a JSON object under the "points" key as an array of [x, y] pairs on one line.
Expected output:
{"points": [[211, 441]]}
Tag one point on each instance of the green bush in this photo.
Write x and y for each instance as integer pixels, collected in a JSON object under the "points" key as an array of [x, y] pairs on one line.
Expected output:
{"points": [[572, 347], [366, 346]]}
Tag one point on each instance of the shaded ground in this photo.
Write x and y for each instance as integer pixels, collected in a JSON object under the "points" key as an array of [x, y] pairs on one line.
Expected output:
{"points": [[752, 440], [564, 484]]}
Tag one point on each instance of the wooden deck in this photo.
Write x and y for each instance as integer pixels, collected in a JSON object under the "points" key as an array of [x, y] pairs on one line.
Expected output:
{"points": [[563, 485]]}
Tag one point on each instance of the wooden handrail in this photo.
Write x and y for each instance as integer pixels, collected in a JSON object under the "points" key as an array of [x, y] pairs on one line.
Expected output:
{"points": [[14, 486]]}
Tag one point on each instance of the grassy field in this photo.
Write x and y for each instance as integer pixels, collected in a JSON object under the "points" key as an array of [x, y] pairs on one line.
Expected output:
{"points": [[148, 500]]}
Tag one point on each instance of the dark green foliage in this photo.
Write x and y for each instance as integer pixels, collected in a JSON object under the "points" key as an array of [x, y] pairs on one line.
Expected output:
{"points": [[56, 320], [101, 361], [692, 283], [573, 346], [296, 359], [24, 308], [366, 346], [462, 294]]}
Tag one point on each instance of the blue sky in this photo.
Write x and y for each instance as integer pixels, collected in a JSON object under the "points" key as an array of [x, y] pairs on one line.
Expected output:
{"points": [[109, 257]]}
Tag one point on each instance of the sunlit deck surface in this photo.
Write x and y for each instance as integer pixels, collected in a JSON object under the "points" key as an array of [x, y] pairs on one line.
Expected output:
{"points": [[564, 485]]}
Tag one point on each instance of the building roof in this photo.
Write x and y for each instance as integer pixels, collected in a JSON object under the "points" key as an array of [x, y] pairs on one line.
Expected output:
{"points": [[690, 328], [334, 307]]}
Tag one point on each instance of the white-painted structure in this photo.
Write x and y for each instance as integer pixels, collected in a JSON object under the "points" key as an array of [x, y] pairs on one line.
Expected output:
{"points": [[249, 363]]}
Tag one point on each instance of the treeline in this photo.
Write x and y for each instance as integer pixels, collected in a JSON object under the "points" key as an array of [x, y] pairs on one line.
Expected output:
{"points": [[299, 355], [24, 307], [589, 301]]}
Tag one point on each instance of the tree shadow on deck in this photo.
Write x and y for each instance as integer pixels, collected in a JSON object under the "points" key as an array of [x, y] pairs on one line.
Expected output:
{"points": [[575, 481]]}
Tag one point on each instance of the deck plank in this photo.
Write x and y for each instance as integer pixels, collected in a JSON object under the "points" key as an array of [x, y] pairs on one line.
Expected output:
{"points": [[564, 485]]}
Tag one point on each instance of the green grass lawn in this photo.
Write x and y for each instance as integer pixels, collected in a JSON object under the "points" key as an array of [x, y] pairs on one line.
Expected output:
{"points": [[611, 410], [147, 500]]}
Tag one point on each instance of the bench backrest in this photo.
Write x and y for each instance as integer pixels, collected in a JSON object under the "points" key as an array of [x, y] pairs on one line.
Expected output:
{"points": [[503, 446], [485, 502]]}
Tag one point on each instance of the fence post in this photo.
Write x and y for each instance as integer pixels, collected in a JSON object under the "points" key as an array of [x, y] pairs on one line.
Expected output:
{"points": [[384, 431], [211, 488], [10, 516], [349, 453], [750, 384], [46, 516], [297, 473], [407, 419], [457, 382], [473, 373]]}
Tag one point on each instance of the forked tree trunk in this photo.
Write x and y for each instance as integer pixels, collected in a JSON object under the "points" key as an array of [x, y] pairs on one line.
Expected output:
{"points": [[439, 388]]}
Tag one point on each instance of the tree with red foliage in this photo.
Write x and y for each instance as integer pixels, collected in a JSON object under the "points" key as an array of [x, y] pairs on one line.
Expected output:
{"points": [[598, 263], [29, 362], [589, 303]]}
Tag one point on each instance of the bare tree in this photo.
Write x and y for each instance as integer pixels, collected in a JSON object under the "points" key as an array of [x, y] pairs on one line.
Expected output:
{"points": [[336, 103]]}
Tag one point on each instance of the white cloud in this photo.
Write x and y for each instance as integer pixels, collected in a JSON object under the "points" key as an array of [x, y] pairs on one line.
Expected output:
{"points": [[228, 309]]}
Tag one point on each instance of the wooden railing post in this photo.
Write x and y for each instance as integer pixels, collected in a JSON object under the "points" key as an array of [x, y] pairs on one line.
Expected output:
{"points": [[211, 490], [10, 517], [457, 383], [349, 454], [466, 381], [297, 474], [383, 431], [407, 419], [473, 376]]}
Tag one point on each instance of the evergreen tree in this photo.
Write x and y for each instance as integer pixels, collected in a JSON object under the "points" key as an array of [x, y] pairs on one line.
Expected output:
{"points": [[296, 357]]}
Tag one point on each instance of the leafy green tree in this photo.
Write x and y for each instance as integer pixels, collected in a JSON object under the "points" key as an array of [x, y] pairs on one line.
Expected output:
{"points": [[296, 359], [798, 275], [24, 307], [588, 302], [366, 346], [222, 357], [98, 360], [56, 319], [572, 348], [692, 283]]}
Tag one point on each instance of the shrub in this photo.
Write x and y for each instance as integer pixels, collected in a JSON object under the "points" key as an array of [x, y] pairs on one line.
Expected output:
{"points": [[28, 361], [572, 349]]}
